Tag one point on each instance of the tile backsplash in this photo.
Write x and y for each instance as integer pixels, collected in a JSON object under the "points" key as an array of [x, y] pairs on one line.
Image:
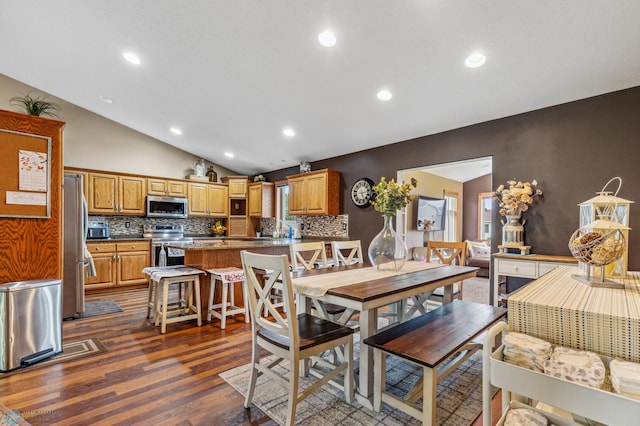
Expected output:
{"points": [[314, 226], [311, 226]]}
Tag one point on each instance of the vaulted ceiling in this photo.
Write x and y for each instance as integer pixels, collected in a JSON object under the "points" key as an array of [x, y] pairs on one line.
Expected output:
{"points": [[232, 75]]}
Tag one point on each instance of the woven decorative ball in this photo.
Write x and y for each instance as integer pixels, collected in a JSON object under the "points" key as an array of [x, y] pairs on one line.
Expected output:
{"points": [[597, 247]]}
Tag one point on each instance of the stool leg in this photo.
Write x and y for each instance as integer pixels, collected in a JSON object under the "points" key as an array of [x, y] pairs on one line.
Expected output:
{"points": [[149, 298], [156, 302], [212, 289], [245, 301], [196, 285], [223, 321], [165, 302]]}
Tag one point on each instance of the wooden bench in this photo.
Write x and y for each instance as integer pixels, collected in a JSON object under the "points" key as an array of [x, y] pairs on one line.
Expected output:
{"points": [[431, 341]]}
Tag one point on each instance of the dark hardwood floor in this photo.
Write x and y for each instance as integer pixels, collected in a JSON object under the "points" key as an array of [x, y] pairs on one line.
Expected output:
{"points": [[144, 377]]}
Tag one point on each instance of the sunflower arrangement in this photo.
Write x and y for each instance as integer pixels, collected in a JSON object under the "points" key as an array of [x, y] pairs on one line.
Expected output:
{"points": [[391, 196]]}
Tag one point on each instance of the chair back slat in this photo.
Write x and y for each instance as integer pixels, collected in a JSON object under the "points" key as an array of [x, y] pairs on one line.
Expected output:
{"points": [[307, 254], [457, 254], [354, 256], [259, 288]]}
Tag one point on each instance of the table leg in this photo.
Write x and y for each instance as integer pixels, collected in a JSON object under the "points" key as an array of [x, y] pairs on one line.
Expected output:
{"points": [[365, 376], [429, 385]]}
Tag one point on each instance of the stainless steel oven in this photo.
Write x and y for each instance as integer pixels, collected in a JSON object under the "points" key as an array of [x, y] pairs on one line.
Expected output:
{"points": [[161, 235]]}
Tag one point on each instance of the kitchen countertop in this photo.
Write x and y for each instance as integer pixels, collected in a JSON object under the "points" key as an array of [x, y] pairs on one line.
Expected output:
{"points": [[210, 239], [230, 243]]}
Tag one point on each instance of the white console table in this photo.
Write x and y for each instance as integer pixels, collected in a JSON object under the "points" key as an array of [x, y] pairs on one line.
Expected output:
{"points": [[524, 266]]}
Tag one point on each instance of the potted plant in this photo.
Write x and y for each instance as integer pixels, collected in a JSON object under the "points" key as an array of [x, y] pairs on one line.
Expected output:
{"points": [[35, 106], [387, 250]]}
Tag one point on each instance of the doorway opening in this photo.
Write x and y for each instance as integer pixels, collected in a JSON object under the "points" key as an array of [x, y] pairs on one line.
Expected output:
{"points": [[460, 183]]}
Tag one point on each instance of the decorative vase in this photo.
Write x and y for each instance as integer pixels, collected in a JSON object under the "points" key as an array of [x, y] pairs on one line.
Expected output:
{"points": [[513, 231], [387, 251]]}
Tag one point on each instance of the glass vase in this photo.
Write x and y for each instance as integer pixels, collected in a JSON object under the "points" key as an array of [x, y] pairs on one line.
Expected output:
{"points": [[387, 251]]}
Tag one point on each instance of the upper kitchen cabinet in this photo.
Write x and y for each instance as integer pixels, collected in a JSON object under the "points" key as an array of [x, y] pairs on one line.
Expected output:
{"points": [[208, 199], [116, 194], [166, 188], [237, 186], [315, 193], [261, 195]]}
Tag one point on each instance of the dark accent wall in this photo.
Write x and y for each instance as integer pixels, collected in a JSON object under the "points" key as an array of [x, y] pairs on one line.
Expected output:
{"points": [[571, 149], [470, 191]]}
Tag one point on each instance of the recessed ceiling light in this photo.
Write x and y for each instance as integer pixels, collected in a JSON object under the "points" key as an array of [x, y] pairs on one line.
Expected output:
{"points": [[229, 154], [176, 131], [475, 60], [131, 57], [106, 99], [327, 39], [288, 131], [384, 95]]}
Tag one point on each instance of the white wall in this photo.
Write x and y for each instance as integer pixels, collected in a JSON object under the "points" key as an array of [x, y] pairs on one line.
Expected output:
{"points": [[94, 142]]}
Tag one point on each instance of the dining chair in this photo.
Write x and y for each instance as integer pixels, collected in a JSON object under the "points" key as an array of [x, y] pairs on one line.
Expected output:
{"points": [[447, 253], [339, 248], [291, 337], [308, 256]]}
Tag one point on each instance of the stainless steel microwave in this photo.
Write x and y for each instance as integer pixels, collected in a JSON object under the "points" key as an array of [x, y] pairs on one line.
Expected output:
{"points": [[175, 207]]}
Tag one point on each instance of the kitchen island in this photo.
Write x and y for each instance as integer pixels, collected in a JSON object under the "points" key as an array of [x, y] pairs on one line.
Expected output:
{"points": [[224, 253]]}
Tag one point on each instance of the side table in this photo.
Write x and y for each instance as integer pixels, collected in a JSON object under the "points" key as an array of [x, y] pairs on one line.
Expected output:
{"points": [[524, 266]]}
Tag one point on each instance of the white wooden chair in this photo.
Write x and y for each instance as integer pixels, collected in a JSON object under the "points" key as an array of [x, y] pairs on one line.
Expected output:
{"points": [[338, 249], [308, 256], [448, 253], [290, 337]]}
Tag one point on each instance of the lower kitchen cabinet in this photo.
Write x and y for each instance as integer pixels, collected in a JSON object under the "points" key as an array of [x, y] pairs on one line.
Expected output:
{"points": [[118, 264]]}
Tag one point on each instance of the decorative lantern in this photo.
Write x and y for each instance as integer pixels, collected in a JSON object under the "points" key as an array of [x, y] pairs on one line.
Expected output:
{"points": [[597, 213]]}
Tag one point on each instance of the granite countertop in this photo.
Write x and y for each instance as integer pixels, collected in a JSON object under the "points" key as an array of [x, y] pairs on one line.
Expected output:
{"points": [[230, 243], [200, 239]]}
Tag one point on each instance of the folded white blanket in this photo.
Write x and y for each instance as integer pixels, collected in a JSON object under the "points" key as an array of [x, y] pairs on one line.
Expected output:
{"points": [[524, 417], [526, 351], [625, 378], [576, 366]]}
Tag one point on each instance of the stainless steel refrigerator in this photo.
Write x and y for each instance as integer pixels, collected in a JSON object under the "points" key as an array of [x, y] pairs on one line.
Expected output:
{"points": [[75, 232]]}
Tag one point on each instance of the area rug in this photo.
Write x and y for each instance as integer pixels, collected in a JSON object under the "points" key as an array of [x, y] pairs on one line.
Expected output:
{"points": [[70, 351], [100, 307], [459, 397]]}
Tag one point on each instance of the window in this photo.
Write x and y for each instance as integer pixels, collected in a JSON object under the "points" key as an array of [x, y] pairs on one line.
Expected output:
{"points": [[451, 218], [282, 207]]}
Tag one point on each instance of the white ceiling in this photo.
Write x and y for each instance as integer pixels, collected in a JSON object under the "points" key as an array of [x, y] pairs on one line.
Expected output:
{"points": [[462, 171], [233, 74]]}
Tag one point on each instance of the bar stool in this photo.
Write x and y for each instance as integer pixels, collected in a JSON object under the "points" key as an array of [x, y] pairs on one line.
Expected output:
{"points": [[227, 277], [187, 307]]}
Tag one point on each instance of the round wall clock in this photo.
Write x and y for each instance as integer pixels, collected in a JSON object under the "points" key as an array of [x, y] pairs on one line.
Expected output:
{"points": [[362, 192]]}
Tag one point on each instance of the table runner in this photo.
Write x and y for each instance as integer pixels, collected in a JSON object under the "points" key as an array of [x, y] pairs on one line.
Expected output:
{"points": [[564, 311], [318, 285]]}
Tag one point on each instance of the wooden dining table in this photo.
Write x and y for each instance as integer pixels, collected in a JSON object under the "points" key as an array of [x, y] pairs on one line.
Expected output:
{"points": [[364, 289]]}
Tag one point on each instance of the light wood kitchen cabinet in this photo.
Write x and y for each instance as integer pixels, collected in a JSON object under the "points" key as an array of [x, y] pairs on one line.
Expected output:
{"points": [[237, 186], [116, 194], [104, 260], [118, 264], [166, 188], [315, 193], [132, 258], [261, 197], [208, 199]]}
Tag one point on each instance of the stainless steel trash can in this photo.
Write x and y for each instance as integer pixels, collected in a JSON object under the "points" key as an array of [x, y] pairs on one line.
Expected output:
{"points": [[31, 329]]}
